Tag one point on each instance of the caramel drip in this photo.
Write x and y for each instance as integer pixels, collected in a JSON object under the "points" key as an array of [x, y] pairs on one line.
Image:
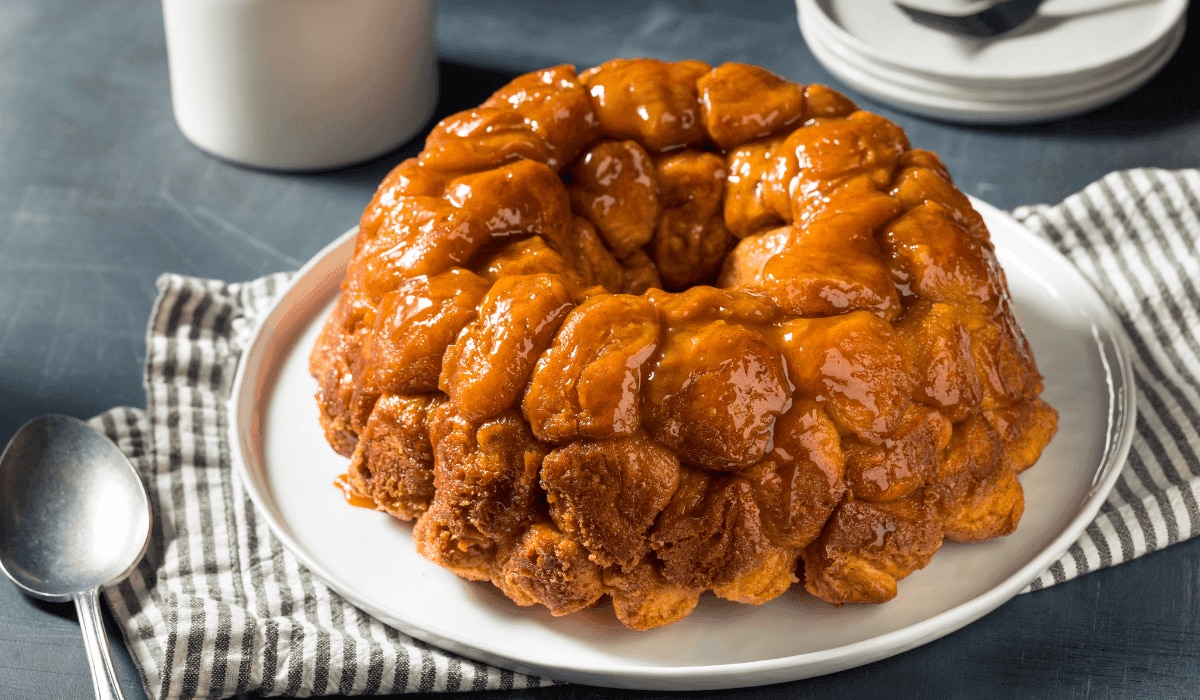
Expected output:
{"points": [[342, 483]]}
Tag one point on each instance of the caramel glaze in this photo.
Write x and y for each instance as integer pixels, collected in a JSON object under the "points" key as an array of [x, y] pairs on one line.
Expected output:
{"points": [[661, 328], [352, 496]]}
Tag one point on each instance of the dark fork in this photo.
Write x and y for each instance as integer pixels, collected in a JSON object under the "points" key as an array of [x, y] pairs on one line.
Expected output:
{"points": [[977, 19]]}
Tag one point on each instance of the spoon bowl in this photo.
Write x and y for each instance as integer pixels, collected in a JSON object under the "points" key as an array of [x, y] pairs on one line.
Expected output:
{"points": [[74, 516]]}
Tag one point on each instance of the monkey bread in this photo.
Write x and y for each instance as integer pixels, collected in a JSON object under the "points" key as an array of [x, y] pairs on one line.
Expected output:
{"points": [[660, 329]]}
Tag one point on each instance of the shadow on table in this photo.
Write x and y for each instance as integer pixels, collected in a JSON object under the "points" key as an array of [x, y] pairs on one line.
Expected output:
{"points": [[63, 611]]}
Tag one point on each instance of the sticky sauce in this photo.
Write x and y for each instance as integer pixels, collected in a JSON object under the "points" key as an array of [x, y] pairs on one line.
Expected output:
{"points": [[342, 483]]}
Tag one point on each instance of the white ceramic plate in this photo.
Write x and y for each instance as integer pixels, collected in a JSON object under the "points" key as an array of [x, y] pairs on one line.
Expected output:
{"points": [[369, 558], [1068, 40], [1018, 93], [981, 105]]}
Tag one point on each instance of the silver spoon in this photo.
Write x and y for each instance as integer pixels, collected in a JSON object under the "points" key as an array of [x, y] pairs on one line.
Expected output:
{"points": [[74, 516]]}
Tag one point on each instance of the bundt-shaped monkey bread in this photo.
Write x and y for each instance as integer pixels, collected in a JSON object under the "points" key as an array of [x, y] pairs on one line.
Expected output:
{"points": [[659, 328]]}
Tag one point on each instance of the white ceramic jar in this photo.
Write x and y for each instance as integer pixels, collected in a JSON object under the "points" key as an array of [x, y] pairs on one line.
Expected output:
{"points": [[300, 84]]}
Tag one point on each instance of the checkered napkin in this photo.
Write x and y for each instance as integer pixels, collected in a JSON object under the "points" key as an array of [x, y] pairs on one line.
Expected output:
{"points": [[218, 607]]}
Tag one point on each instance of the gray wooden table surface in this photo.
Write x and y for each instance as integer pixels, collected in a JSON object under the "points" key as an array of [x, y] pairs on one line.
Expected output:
{"points": [[99, 194]]}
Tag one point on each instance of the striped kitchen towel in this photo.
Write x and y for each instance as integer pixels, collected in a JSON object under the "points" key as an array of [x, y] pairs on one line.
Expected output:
{"points": [[1136, 236], [218, 607]]}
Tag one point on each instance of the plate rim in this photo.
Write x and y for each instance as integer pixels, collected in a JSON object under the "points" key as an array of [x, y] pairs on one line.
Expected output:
{"points": [[1121, 415]]}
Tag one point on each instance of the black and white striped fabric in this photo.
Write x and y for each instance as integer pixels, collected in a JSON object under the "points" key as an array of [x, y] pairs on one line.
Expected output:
{"points": [[218, 607], [1136, 236]]}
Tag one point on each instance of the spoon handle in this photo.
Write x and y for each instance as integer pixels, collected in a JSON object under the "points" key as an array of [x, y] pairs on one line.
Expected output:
{"points": [[95, 641]]}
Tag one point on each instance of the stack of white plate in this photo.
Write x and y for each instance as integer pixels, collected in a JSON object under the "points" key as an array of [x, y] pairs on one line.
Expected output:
{"points": [[1072, 56]]}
